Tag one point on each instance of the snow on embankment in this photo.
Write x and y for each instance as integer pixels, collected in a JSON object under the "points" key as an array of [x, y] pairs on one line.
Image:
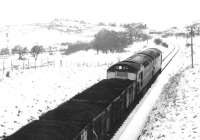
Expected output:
{"points": [[176, 115]]}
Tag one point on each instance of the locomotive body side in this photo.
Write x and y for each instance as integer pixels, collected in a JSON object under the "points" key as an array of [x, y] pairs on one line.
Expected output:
{"points": [[157, 60], [145, 75]]}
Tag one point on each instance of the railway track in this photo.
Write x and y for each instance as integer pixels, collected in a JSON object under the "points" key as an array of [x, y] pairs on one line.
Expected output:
{"points": [[165, 57], [142, 109], [169, 58]]}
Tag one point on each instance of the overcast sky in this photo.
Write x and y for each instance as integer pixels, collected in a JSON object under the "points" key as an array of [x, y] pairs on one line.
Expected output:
{"points": [[156, 13]]}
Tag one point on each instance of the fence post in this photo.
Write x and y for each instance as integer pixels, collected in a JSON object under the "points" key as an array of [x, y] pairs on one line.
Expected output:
{"points": [[47, 62], [192, 34], [41, 61], [23, 64], [3, 67], [61, 63], [11, 65], [28, 64], [35, 64]]}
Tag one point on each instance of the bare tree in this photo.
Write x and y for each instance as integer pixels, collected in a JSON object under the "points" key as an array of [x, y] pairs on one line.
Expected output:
{"points": [[20, 51], [35, 51], [4, 51]]}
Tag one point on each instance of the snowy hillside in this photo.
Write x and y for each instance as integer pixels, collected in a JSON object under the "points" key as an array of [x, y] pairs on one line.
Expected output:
{"points": [[49, 34]]}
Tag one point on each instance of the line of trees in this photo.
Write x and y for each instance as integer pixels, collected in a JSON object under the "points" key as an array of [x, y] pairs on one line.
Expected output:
{"points": [[4, 51], [21, 51], [111, 41], [106, 40]]}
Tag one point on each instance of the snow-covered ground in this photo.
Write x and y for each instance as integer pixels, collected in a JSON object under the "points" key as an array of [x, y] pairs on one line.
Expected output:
{"points": [[176, 113], [28, 93]]}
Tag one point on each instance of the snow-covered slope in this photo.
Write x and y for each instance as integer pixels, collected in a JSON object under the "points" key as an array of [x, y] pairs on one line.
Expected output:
{"points": [[176, 114]]}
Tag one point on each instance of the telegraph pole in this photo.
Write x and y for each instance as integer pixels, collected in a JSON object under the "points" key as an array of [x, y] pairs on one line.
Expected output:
{"points": [[191, 35], [7, 37]]}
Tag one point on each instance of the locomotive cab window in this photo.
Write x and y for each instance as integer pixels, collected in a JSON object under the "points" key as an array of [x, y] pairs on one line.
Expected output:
{"points": [[121, 68], [118, 67]]}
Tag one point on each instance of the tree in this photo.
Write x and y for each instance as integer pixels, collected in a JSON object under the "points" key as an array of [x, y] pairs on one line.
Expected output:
{"points": [[157, 41], [135, 32], [4, 51], [20, 51], [112, 24], [106, 40], [36, 50], [164, 44], [25, 50]]}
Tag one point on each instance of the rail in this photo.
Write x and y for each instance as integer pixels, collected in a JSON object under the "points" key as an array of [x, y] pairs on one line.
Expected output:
{"points": [[174, 52], [168, 54]]}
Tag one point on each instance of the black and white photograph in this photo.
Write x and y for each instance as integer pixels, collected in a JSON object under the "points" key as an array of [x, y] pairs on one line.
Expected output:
{"points": [[99, 70]]}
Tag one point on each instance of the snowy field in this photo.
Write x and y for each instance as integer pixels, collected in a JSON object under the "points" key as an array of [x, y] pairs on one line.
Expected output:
{"points": [[50, 34], [176, 113]]}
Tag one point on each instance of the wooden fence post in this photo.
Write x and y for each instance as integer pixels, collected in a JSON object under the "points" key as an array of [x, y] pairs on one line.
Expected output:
{"points": [[23, 64], [35, 64], [28, 64], [192, 34], [11, 65], [47, 62], [3, 67]]}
